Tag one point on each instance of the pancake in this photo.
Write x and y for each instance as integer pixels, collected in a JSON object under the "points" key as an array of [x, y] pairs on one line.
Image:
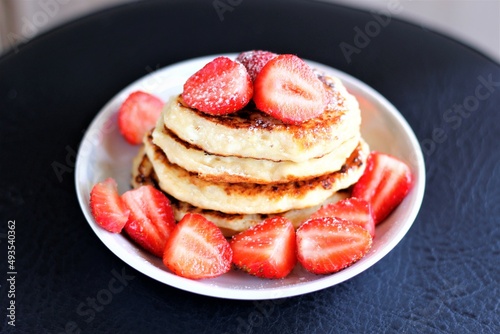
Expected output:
{"points": [[217, 168], [230, 224], [250, 133], [250, 198]]}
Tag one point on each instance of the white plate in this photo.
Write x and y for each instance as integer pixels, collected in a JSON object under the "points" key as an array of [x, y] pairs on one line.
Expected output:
{"points": [[104, 153]]}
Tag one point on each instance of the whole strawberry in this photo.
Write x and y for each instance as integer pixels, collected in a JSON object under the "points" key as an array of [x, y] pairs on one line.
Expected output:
{"points": [[255, 60], [138, 114]]}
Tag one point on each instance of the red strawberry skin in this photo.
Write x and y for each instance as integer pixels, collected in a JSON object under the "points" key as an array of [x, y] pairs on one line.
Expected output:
{"points": [[354, 210], [137, 115], [384, 184], [151, 219], [266, 250], [197, 249], [327, 245], [107, 207], [288, 89], [255, 60], [221, 87]]}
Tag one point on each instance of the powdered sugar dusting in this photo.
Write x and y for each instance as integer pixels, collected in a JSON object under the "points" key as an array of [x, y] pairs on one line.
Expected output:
{"points": [[220, 87]]}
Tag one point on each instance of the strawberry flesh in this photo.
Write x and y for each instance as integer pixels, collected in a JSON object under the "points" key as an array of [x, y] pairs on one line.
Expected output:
{"points": [[289, 90], [328, 244], [255, 60], [354, 210], [221, 87], [267, 249], [197, 249], [107, 207], [137, 115], [384, 184], [151, 219]]}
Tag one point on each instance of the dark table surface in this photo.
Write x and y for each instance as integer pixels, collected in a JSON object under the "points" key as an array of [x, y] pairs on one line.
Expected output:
{"points": [[442, 278]]}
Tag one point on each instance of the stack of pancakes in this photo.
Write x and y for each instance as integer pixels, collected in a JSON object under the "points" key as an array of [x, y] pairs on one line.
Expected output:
{"points": [[240, 168]]}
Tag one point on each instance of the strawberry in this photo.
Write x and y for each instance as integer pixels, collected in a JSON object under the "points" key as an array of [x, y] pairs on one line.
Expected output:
{"points": [[197, 249], [384, 184], [328, 244], [354, 210], [138, 114], [267, 249], [107, 207], [288, 89], [255, 60], [151, 219], [221, 87]]}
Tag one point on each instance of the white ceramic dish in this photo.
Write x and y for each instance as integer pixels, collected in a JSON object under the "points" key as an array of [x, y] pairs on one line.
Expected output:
{"points": [[104, 153]]}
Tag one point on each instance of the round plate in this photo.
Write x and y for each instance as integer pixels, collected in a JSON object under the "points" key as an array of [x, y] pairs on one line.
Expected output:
{"points": [[104, 153]]}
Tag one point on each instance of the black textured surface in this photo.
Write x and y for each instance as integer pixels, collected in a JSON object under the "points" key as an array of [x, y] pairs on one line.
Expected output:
{"points": [[442, 278]]}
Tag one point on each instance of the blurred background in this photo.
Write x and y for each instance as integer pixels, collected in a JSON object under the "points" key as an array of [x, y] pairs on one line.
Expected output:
{"points": [[473, 22]]}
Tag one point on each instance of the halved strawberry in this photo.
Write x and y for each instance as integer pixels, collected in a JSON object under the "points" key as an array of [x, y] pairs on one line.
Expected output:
{"points": [[384, 184], [197, 249], [255, 60], [288, 89], [352, 209], [221, 87], [328, 244], [107, 207], [151, 219], [138, 114], [267, 249]]}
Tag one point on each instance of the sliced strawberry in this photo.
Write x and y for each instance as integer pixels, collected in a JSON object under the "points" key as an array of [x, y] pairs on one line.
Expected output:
{"points": [[151, 218], [288, 89], [326, 245], [266, 250], [255, 60], [197, 249], [384, 184], [137, 115], [354, 210], [107, 207], [222, 86]]}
